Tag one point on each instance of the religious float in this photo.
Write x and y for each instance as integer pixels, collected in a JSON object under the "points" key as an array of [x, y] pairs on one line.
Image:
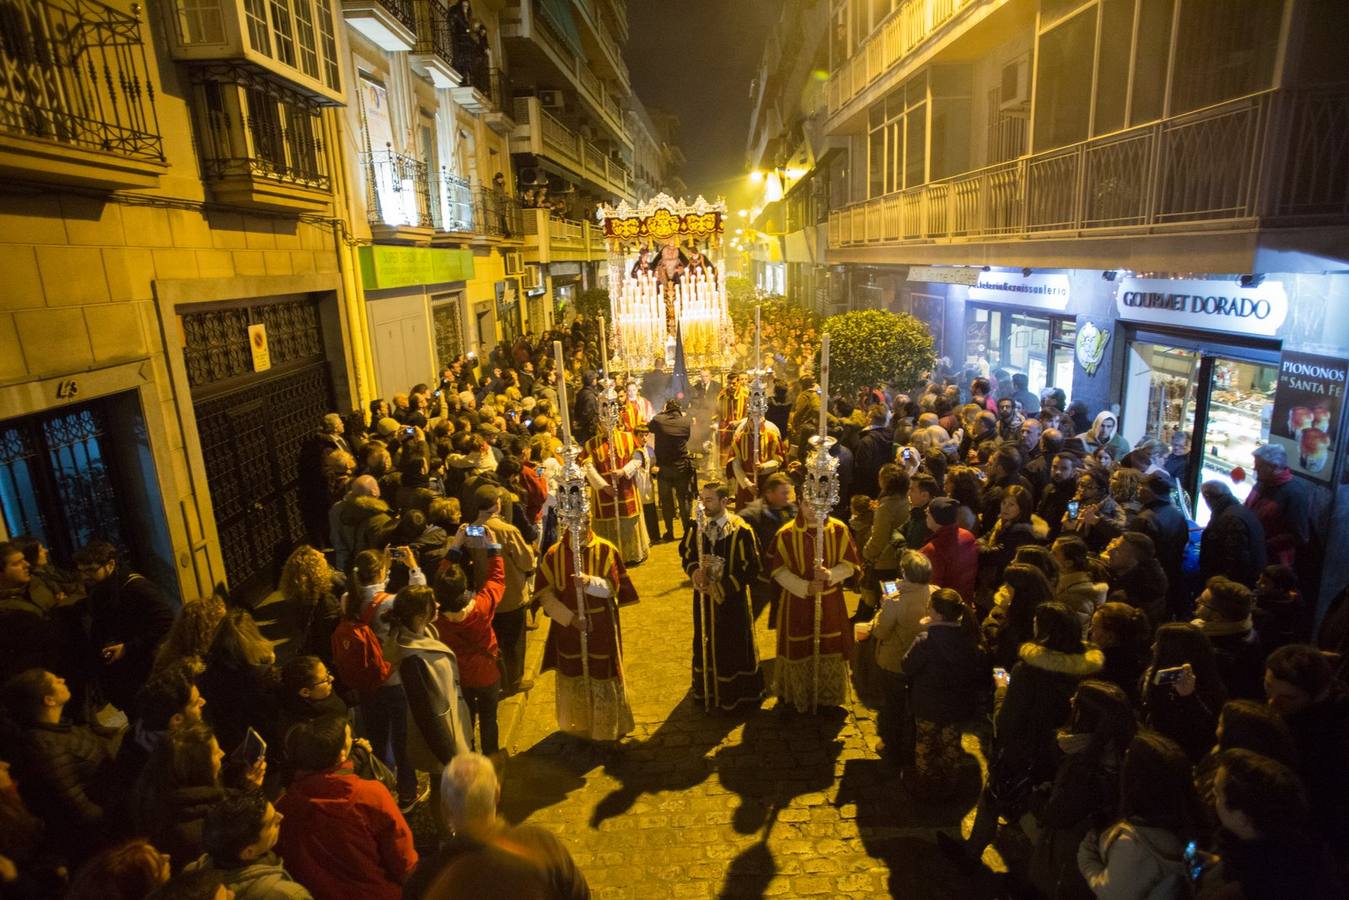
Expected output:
{"points": [[665, 281]]}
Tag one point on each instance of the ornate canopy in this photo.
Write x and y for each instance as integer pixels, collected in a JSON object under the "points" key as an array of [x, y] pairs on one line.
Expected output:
{"points": [[661, 219]]}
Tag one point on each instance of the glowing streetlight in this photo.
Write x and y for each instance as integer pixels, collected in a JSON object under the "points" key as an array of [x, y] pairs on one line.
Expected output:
{"points": [[756, 177], [744, 214]]}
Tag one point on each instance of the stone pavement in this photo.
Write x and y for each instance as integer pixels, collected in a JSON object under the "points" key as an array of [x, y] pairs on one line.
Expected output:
{"points": [[692, 804]]}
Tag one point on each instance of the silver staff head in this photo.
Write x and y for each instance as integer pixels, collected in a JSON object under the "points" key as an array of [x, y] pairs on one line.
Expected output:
{"points": [[820, 489], [573, 496]]}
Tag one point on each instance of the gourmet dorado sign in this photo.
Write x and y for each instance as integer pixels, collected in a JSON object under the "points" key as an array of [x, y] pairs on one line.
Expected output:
{"points": [[1204, 305]]}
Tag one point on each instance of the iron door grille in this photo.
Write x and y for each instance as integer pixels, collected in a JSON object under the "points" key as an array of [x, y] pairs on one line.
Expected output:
{"points": [[58, 482], [250, 444], [251, 426]]}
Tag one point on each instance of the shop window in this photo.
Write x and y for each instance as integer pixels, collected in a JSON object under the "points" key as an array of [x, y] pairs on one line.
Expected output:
{"points": [[1222, 403], [897, 145]]}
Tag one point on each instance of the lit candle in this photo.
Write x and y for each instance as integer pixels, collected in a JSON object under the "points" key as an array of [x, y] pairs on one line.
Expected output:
{"points": [[562, 392], [824, 384]]}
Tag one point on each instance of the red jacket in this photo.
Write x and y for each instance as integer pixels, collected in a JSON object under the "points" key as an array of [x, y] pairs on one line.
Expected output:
{"points": [[954, 555], [472, 639], [343, 836], [536, 493]]}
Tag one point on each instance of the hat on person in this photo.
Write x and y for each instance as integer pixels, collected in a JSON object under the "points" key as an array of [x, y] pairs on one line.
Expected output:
{"points": [[485, 495], [1158, 482], [486, 428], [943, 510], [386, 426], [528, 403]]}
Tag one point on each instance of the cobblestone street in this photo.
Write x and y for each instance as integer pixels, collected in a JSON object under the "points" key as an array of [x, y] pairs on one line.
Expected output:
{"points": [[692, 804]]}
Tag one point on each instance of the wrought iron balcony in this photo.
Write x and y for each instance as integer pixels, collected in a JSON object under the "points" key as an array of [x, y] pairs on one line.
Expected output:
{"points": [[497, 215], [397, 190], [434, 53], [260, 141], [76, 74], [453, 209]]}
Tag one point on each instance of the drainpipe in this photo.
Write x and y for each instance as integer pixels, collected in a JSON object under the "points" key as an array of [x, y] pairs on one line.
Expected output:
{"points": [[358, 326]]}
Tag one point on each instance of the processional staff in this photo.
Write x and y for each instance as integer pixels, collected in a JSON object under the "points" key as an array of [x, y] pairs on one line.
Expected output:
{"points": [[820, 492], [573, 514], [757, 404], [610, 415]]}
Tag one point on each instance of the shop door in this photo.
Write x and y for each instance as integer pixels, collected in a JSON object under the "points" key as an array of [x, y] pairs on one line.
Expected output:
{"points": [[251, 427], [1221, 398]]}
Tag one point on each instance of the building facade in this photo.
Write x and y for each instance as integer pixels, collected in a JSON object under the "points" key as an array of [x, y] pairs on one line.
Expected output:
{"points": [[1140, 202], [221, 220]]}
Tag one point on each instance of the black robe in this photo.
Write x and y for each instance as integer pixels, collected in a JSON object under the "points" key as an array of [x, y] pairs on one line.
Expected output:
{"points": [[733, 672]]}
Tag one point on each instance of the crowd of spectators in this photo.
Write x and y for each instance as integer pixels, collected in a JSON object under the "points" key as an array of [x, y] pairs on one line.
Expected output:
{"points": [[1164, 717]]}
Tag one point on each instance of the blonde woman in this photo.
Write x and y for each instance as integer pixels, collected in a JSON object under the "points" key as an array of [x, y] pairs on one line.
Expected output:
{"points": [[193, 629], [299, 617], [240, 682]]}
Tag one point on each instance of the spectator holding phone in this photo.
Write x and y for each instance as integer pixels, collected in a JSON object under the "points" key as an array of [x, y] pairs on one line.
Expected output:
{"points": [[386, 721], [184, 780], [1182, 692], [898, 622]]}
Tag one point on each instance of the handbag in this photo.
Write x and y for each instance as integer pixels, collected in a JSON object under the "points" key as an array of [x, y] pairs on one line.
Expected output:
{"points": [[1009, 786], [369, 766]]}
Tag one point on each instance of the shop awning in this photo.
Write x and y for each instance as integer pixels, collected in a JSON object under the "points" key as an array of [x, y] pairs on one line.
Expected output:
{"points": [[798, 248]]}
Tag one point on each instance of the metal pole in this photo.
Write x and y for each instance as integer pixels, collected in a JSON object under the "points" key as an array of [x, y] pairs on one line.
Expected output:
{"points": [[700, 599]]}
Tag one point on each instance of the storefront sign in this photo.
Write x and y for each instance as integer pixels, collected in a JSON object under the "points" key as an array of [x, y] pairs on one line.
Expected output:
{"points": [[1039, 291], [1090, 347], [1307, 404], [257, 343], [384, 266], [946, 274], [1206, 305]]}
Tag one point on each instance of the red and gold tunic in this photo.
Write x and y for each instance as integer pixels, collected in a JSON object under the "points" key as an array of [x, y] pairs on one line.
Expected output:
{"points": [[609, 459], [562, 650], [591, 700], [636, 413], [742, 452], [795, 671], [731, 404]]}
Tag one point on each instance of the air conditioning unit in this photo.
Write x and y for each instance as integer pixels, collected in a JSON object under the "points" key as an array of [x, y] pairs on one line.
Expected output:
{"points": [[1014, 90], [512, 261], [531, 278], [551, 99]]}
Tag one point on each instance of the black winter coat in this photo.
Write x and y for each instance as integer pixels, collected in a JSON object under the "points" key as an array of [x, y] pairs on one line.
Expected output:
{"points": [[64, 775], [1142, 587], [126, 608], [946, 672], [874, 449], [1241, 663], [1166, 525], [1233, 544], [1321, 732], [1036, 706], [1189, 721]]}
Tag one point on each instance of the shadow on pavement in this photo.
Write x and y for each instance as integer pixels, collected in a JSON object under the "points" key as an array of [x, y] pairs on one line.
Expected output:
{"points": [[673, 758], [887, 819], [546, 773]]}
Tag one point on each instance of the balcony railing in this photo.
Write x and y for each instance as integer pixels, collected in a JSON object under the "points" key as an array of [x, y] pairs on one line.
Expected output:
{"points": [[555, 237], [75, 72], [1204, 166], [453, 210], [496, 214], [913, 22], [251, 126], [558, 142], [433, 29], [405, 12], [534, 19], [398, 191]]}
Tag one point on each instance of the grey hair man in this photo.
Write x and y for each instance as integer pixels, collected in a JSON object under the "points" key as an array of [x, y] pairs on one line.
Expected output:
{"points": [[487, 857]]}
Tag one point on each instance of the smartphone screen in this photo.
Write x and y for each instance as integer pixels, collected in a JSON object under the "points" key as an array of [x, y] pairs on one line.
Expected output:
{"points": [[254, 748], [1073, 506], [474, 531], [889, 588], [1169, 676]]}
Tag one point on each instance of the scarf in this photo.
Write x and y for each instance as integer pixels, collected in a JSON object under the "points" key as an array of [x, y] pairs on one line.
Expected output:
{"points": [[1221, 629]]}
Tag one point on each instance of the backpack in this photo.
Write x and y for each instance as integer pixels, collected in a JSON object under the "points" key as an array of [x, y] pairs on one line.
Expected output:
{"points": [[358, 655]]}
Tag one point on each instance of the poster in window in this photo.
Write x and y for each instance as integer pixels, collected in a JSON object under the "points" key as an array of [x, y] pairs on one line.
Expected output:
{"points": [[1308, 401]]}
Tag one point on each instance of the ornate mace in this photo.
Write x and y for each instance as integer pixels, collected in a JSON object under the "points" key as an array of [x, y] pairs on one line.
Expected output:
{"points": [[611, 413], [573, 514], [756, 406], [820, 492]]}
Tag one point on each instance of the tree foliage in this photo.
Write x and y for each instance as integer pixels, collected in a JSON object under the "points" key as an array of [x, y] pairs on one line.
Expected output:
{"points": [[593, 303], [870, 346]]}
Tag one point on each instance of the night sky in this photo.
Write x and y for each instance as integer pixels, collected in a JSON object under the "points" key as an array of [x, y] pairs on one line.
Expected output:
{"points": [[697, 58]]}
